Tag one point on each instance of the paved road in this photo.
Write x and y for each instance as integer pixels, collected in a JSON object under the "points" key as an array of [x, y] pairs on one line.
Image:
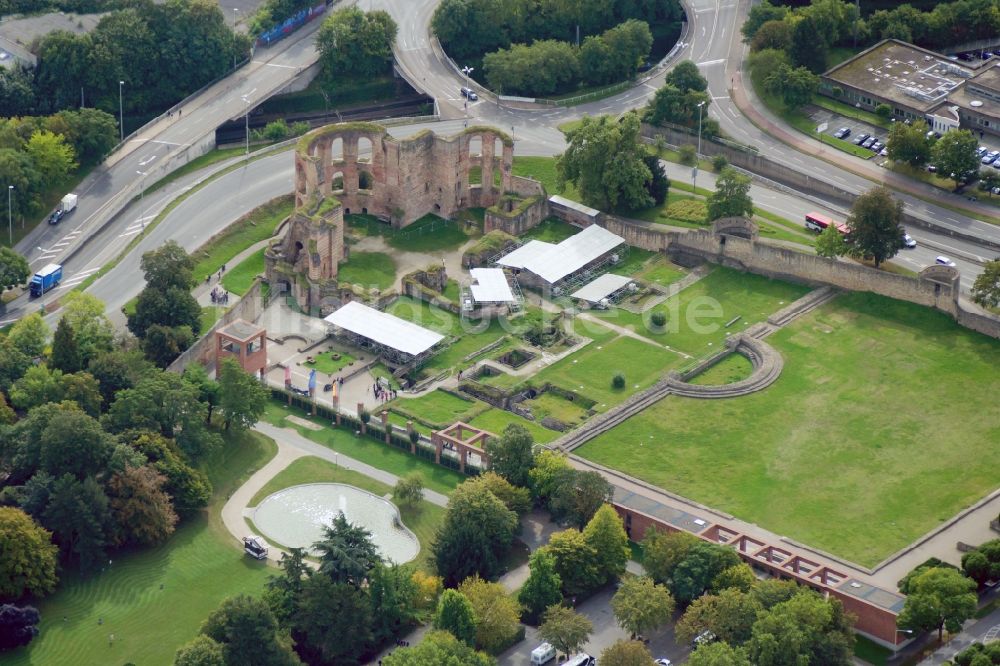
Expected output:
{"points": [[985, 630]]}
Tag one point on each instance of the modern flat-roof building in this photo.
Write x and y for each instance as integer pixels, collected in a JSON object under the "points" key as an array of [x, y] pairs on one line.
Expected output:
{"points": [[919, 84], [398, 341]]}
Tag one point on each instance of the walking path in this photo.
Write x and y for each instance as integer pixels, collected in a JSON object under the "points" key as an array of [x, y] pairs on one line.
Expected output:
{"points": [[203, 291]]}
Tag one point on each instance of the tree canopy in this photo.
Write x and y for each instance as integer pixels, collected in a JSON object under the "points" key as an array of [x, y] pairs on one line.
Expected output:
{"points": [[511, 454], [13, 268], [565, 629], [438, 648], [986, 288], [954, 155], [28, 565], [477, 531], [938, 598], [876, 225], [731, 197], [356, 45]]}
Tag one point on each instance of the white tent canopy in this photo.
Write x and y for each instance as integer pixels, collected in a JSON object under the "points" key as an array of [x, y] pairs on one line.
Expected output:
{"points": [[492, 286], [602, 287], [552, 263], [384, 328], [525, 254]]}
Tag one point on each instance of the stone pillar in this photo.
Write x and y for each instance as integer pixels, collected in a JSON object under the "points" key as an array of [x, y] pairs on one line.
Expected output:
{"points": [[505, 168], [385, 425], [361, 408], [462, 454], [409, 429], [436, 441]]}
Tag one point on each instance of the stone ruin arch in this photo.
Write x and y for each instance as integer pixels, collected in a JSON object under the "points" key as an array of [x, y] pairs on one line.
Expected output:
{"points": [[410, 177]]}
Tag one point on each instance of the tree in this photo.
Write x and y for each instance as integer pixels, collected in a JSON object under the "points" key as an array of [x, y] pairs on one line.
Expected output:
{"points": [[394, 596], [456, 616], [578, 496], [663, 551], [83, 389], [18, 625], [544, 476], [51, 156], [439, 648], [831, 243], [202, 651], [686, 76], [976, 566], [739, 577], [575, 562], [626, 653], [511, 454], [693, 575], [496, 612], [140, 506], [28, 565], [38, 386], [986, 288], [282, 592], [795, 87], [409, 490], [955, 154], [544, 67], [604, 160], [29, 335], [7, 415], [356, 44], [242, 398], [208, 389], [909, 144], [670, 104], [477, 531], [346, 552], [428, 589], [163, 344], [938, 598], [659, 186], [92, 329], [605, 533], [189, 488], [772, 35], [729, 615], [65, 352], [80, 520], [718, 654], [332, 622], [640, 605], [731, 197], [809, 47], [543, 587], [14, 269], [166, 300], [876, 225], [92, 133], [118, 370], [759, 15], [514, 498], [565, 629], [805, 629], [248, 633], [73, 443]]}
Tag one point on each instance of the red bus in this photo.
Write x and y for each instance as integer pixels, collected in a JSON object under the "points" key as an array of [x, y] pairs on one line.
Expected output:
{"points": [[818, 222]]}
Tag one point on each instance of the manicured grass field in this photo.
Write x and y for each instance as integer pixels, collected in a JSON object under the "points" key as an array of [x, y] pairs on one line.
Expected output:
{"points": [[543, 169], [429, 233], [367, 450], [558, 407], [733, 368], [438, 407], [550, 230], [325, 363], [239, 278], [696, 317], [155, 600], [662, 272], [495, 420], [589, 372], [369, 269], [882, 425], [258, 225], [423, 519]]}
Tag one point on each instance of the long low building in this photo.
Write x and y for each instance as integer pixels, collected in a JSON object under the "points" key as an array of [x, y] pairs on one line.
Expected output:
{"points": [[554, 263], [398, 341], [607, 287]]}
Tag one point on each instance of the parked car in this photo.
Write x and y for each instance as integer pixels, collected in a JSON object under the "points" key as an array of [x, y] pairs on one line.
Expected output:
{"points": [[877, 146], [981, 151], [861, 138], [703, 638], [470, 94], [662, 662], [931, 168], [543, 654], [884, 152], [991, 157], [996, 164], [908, 241], [869, 142], [944, 261], [842, 133]]}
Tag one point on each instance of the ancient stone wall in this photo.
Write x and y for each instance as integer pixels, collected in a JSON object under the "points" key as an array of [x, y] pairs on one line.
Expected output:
{"points": [[249, 308], [401, 180], [519, 219]]}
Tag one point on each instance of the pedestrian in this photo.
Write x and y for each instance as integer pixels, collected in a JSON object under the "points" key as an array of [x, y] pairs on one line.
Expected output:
{"points": [[180, 112], [223, 267], [208, 278]]}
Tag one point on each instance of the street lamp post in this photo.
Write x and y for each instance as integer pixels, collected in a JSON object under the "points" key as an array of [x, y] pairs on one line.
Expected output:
{"points": [[235, 9], [246, 120], [121, 115], [467, 70], [694, 172], [142, 193], [10, 226]]}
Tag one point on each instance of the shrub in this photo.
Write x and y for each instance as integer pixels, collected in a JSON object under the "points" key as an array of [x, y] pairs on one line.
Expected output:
{"points": [[659, 319], [687, 210], [618, 381], [719, 162], [883, 111], [688, 154]]}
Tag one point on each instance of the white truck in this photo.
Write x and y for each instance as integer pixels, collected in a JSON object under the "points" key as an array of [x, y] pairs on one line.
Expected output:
{"points": [[66, 206]]}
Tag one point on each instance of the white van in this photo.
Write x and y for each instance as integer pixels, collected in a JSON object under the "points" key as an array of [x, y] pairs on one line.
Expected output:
{"points": [[543, 654], [582, 659]]}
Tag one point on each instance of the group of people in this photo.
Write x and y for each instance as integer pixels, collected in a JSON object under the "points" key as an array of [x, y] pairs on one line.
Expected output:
{"points": [[383, 393], [220, 297]]}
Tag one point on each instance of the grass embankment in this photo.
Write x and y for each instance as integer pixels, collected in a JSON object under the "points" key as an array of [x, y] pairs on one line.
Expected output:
{"points": [[733, 368], [367, 450], [871, 423], [369, 269], [155, 600], [423, 520], [254, 227]]}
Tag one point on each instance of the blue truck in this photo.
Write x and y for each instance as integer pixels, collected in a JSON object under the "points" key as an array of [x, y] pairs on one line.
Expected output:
{"points": [[46, 279]]}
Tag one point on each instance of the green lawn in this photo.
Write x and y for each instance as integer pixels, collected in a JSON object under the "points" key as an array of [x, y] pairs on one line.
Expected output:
{"points": [[258, 225], [543, 169], [367, 450], [437, 407], [369, 269], [423, 519], [733, 368], [589, 372], [558, 407], [429, 233], [495, 420], [155, 600], [209, 315], [662, 272], [696, 316], [551, 230], [239, 278], [326, 364], [882, 425]]}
